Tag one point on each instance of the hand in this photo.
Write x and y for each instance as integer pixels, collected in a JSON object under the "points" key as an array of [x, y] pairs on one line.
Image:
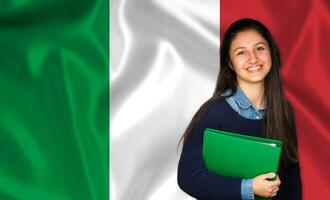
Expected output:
{"points": [[264, 188]]}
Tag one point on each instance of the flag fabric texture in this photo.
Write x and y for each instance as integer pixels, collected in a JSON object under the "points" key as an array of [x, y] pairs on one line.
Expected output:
{"points": [[164, 63], [301, 30], [54, 104]]}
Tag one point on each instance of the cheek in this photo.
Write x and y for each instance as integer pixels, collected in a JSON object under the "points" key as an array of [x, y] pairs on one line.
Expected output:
{"points": [[238, 63], [266, 57]]}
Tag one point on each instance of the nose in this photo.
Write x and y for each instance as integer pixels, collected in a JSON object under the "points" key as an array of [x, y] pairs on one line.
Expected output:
{"points": [[253, 57]]}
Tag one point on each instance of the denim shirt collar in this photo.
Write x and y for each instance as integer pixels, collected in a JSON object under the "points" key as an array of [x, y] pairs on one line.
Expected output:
{"points": [[242, 100]]}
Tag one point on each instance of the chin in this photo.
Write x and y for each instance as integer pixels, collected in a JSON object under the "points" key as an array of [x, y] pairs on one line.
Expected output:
{"points": [[258, 80], [255, 79]]}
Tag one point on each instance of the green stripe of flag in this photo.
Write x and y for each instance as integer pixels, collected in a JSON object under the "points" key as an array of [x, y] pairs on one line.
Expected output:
{"points": [[54, 103]]}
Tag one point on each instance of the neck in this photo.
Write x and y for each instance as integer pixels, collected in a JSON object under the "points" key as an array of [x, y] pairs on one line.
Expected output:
{"points": [[255, 93]]}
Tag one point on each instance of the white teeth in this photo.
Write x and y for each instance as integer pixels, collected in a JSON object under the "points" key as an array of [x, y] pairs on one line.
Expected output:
{"points": [[254, 68]]}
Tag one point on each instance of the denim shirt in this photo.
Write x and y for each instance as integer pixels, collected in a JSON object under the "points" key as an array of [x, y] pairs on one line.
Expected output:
{"points": [[241, 104]]}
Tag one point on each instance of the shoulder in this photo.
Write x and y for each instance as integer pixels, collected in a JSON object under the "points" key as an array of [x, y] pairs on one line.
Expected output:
{"points": [[209, 115], [216, 105], [216, 109]]}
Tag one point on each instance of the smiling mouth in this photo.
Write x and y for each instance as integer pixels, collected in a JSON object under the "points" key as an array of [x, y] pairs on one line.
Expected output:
{"points": [[254, 69]]}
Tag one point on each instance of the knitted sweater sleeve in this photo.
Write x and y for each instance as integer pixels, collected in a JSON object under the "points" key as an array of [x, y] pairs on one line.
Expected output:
{"points": [[193, 177]]}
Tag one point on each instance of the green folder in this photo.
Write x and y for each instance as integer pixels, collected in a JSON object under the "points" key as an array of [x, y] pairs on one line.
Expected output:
{"points": [[238, 155]]}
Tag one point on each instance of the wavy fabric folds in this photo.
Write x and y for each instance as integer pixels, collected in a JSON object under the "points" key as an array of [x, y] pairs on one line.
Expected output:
{"points": [[164, 62], [54, 99], [301, 29]]}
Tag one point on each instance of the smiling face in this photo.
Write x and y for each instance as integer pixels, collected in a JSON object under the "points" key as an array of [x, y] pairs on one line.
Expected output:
{"points": [[250, 57]]}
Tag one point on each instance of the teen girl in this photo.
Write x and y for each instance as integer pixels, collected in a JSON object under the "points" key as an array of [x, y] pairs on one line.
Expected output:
{"points": [[248, 99]]}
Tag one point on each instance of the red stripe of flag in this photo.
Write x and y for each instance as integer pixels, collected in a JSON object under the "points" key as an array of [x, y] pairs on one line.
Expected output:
{"points": [[301, 29]]}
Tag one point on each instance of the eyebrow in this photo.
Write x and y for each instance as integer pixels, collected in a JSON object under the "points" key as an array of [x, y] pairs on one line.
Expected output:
{"points": [[239, 48], [254, 45], [260, 43]]}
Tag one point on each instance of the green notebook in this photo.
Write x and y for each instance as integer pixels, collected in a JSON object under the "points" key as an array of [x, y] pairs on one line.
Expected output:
{"points": [[238, 155]]}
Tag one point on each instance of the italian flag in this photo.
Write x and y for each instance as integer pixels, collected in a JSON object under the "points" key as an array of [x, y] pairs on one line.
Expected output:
{"points": [[92, 111]]}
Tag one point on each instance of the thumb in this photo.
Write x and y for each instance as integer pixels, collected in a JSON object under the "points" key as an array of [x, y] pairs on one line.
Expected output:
{"points": [[270, 175]]}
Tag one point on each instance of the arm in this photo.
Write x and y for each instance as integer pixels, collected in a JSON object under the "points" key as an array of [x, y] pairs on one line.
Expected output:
{"points": [[247, 189], [193, 177]]}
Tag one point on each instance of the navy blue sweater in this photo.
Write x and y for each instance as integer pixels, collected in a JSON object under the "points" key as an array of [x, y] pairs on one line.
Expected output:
{"points": [[193, 177]]}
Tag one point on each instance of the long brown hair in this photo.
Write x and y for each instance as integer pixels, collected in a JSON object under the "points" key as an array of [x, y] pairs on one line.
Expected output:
{"points": [[279, 121]]}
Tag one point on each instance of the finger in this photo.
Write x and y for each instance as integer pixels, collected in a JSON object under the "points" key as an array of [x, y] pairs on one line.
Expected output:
{"points": [[272, 190], [271, 175], [275, 190], [278, 178], [273, 194], [275, 183], [268, 175], [275, 187]]}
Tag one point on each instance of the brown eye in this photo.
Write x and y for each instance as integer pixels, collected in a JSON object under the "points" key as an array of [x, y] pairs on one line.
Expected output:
{"points": [[240, 53], [260, 48]]}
